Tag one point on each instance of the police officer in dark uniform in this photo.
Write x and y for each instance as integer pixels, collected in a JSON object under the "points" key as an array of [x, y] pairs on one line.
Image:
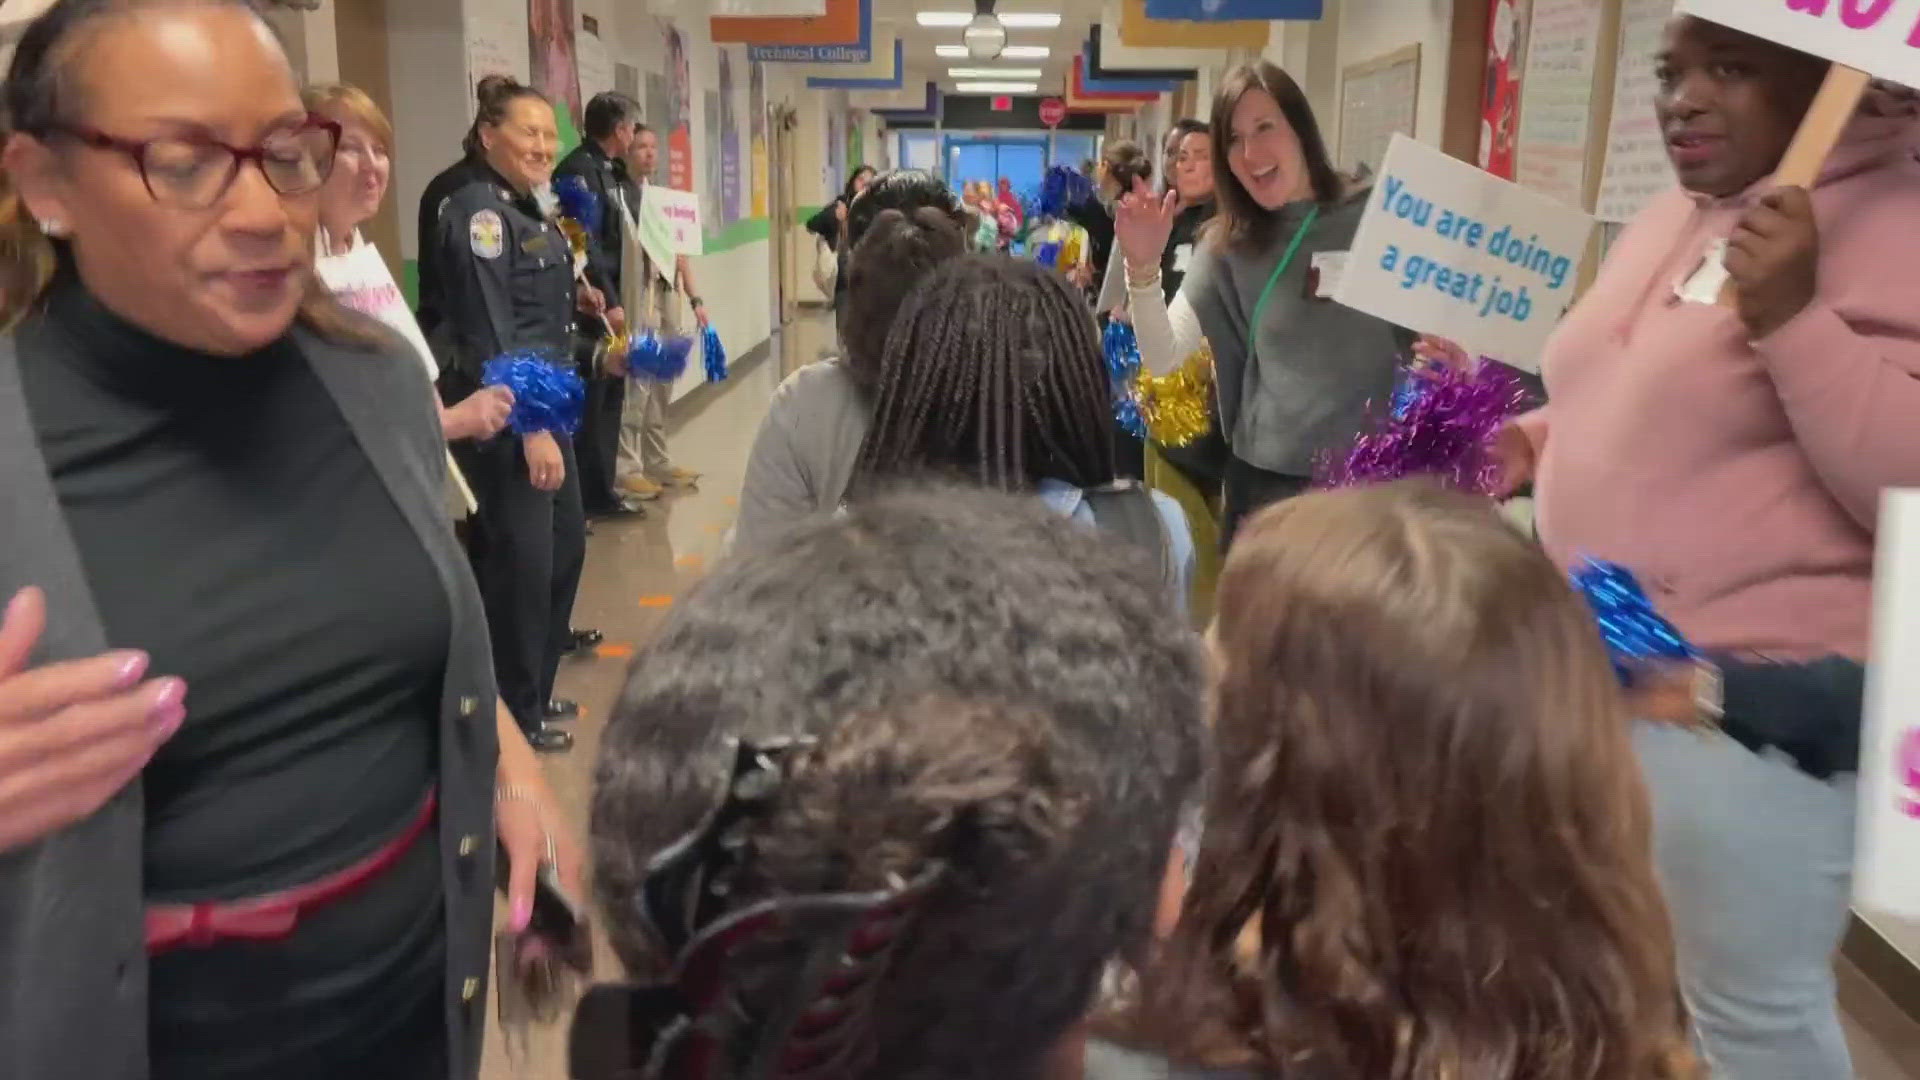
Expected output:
{"points": [[506, 284], [471, 166], [612, 123]]}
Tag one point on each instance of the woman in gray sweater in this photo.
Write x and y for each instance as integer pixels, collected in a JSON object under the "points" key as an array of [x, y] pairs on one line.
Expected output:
{"points": [[1294, 371]]}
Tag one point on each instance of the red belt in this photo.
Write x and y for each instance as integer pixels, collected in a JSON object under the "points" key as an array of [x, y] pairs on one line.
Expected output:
{"points": [[272, 917]]}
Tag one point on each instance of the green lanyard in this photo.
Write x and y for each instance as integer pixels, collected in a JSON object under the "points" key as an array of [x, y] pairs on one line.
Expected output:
{"points": [[1293, 248]]}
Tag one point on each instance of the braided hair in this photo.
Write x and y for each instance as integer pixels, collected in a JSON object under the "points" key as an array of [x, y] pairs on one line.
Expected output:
{"points": [[893, 255], [993, 372]]}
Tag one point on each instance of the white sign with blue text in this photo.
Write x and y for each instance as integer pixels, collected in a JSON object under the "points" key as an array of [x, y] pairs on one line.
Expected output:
{"points": [[1449, 250]]}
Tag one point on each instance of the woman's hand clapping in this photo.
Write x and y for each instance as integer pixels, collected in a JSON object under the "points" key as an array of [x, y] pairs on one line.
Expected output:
{"points": [[1142, 224]]}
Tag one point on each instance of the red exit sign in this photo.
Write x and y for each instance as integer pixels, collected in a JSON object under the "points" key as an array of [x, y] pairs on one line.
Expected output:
{"points": [[1002, 103]]}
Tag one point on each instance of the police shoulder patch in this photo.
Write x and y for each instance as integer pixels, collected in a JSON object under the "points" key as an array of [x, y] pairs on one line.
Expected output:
{"points": [[486, 233]]}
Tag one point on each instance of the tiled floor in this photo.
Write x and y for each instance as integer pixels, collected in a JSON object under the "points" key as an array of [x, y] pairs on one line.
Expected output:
{"points": [[635, 569]]}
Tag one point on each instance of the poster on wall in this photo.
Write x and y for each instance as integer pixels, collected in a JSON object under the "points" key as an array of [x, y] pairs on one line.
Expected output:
{"points": [[497, 40], [1500, 105], [550, 43], [1557, 93], [757, 126], [678, 115], [596, 65], [659, 102], [1637, 168], [710, 194], [856, 145], [834, 173], [729, 141]]}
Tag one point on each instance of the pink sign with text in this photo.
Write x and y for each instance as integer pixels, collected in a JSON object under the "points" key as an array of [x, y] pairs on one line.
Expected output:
{"points": [[1880, 37]]}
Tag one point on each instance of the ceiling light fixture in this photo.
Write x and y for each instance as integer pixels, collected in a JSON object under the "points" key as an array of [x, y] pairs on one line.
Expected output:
{"points": [[1011, 52], [996, 87], [1003, 74], [1013, 20]]}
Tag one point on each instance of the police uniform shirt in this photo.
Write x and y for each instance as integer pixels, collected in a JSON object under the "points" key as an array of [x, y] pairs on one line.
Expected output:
{"points": [[507, 280], [607, 178]]}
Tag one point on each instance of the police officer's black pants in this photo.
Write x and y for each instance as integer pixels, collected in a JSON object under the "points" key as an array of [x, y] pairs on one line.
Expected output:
{"points": [[599, 443], [528, 547]]}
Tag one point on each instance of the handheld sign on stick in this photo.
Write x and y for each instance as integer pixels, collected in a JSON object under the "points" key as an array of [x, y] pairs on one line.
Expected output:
{"points": [[1864, 41], [1887, 853]]}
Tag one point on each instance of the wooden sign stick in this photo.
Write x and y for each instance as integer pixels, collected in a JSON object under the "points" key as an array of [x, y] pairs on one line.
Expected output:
{"points": [[1833, 107]]}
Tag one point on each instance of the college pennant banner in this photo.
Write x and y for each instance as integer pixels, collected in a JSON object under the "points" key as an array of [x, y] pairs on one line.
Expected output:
{"points": [[1100, 72], [885, 72], [1142, 32], [1234, 10]]}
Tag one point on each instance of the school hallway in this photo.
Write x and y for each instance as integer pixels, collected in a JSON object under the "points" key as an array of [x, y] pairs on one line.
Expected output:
{"points": [[635, 569]]}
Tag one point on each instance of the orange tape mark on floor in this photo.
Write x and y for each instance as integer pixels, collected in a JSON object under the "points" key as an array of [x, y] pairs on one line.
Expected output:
{"points": [[615, 651], [656, 601], [690, 562]]}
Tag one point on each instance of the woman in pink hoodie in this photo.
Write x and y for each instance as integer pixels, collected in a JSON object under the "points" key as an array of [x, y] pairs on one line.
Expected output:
{"points": [[1733, 457]]}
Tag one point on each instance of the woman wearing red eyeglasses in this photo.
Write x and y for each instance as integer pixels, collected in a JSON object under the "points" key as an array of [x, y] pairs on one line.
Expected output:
{"points": [[252, 763]]}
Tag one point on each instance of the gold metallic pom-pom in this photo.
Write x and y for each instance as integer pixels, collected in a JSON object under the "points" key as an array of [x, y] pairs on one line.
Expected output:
{"points": [[576, 235], [1178, 406]]}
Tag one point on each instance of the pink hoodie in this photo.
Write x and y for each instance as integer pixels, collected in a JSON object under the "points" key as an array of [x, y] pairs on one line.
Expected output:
{"points": [[1740, 479]]}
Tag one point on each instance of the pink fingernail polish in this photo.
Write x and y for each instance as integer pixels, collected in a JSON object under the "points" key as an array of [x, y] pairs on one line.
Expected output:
{"points": [[522, 914], [171, 692], [168, 720], [128, 667]]}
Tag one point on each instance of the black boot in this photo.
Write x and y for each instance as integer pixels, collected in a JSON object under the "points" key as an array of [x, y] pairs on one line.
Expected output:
{"points": [[549, 740]]}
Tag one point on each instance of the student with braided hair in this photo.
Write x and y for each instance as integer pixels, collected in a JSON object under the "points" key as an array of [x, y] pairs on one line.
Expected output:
{"points": [[899, 227], [993, 373]]}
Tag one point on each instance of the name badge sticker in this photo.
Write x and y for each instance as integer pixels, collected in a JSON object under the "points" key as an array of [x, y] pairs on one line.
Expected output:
{"points": [[1324, 274]]}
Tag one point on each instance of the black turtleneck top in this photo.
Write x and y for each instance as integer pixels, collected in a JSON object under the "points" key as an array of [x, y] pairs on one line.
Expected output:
{"points": [[230, 524]]}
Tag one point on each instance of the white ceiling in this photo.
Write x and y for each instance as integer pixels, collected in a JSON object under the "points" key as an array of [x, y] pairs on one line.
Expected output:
{"points": [[918, 43]]}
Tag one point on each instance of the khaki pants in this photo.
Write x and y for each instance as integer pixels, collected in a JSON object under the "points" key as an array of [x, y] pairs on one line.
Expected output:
{"points": [[643, 430], [643, 418]]}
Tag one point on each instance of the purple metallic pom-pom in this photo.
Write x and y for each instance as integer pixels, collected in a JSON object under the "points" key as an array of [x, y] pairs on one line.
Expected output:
{"points": [[713, 354], [1441, 423], [662, 359], [547, 396]]}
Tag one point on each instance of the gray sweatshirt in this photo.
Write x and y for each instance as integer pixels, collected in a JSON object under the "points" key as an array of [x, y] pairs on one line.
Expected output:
{"points": [[1314, 367], [803, 455]]}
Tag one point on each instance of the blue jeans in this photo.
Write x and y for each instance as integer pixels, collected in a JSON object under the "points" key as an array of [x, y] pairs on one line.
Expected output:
{"points": [[1756, 860]]}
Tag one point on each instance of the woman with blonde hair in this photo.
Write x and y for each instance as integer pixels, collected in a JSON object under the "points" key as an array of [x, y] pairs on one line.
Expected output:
{"points": [[348, 263], [1427, 848]]}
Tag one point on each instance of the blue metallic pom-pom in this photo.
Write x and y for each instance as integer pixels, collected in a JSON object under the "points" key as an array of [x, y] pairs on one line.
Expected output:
{"points": [[713, 354], [1126, 411], [662, 359], [579, 202], [1122, 350], [1633, 631], [1048, 254], [547, 396]]}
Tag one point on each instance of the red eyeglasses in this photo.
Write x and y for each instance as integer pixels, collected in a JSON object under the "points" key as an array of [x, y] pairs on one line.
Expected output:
{"points": [[194, 171]]}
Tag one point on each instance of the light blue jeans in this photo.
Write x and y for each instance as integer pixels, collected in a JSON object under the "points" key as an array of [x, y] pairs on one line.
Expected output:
{"points": [[1756, 860]]}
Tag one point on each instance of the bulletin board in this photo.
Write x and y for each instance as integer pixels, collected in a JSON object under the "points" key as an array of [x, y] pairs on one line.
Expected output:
{"points": [[1378, 98], [1555, 152]]}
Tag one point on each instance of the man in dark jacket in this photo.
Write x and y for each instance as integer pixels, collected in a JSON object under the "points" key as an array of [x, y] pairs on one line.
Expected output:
{"points": [[599, 162]]}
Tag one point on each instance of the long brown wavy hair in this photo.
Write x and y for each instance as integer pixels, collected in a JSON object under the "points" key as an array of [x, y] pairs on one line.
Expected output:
{"points": [[1427, 848]]}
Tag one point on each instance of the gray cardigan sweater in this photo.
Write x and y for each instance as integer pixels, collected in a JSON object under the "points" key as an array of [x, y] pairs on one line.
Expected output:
{"points": [[73, 961], [1300, 384]]}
